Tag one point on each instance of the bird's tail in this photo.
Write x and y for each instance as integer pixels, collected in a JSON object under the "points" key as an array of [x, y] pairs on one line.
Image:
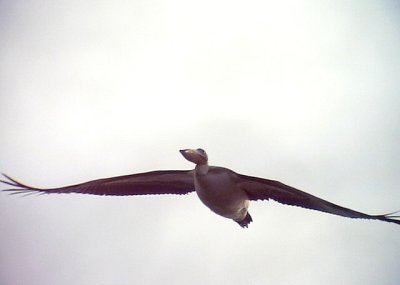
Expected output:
{"points": [[246, 221]]}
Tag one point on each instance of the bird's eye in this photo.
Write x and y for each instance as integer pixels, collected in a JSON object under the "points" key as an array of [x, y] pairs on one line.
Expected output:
{"points": [[201, 150]]}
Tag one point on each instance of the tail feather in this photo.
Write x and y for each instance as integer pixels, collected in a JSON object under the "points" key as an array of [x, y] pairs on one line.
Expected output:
{"points": [[246, 221]]}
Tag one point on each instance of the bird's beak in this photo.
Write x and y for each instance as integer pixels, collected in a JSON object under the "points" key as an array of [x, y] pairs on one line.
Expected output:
{"points": [[193, 155], [189, 154], [187, 151]]}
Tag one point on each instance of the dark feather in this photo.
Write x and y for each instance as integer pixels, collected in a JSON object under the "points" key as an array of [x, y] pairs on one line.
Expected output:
{"points": [[148, 183], [264, 189]]}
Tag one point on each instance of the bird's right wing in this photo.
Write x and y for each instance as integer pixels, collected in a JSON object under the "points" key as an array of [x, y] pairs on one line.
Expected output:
{"points": [[148, 183], [265, 189]]}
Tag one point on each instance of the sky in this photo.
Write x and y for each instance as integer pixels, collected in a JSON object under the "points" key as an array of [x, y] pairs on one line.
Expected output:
{"points": [[304, 92]]}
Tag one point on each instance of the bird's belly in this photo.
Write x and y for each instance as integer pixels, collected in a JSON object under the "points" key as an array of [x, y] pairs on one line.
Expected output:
{"points": [[229, 202]]}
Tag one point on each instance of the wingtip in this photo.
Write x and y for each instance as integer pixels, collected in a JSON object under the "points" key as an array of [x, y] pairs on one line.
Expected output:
{"points": [[11, 182], [10, 179], [20, 188], [389, 217], [393, 217], [6, 176]]}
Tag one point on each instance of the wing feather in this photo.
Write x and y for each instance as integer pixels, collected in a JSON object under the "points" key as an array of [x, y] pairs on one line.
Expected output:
{"points": [[264, 189], [148, 183]]}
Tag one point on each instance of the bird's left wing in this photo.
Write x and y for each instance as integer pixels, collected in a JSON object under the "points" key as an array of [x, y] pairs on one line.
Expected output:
{"points": [[264, 189], [155, 182]]}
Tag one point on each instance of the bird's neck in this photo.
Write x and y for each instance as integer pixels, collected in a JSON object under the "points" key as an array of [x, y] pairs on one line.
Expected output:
{"points": [[202, 169]]}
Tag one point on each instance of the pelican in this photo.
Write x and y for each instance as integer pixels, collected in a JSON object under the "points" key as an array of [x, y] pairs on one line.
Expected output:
{"points": [[224, 191]]}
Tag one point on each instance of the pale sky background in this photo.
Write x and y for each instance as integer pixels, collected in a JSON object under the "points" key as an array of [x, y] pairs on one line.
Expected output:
{"points": [[305, 92]]}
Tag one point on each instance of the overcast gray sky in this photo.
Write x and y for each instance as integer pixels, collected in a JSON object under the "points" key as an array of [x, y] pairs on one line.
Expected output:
{"points": [[305, 92]]}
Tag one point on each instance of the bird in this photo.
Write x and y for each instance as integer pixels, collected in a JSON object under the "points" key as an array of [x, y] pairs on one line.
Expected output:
{"points": [[222, 190]]}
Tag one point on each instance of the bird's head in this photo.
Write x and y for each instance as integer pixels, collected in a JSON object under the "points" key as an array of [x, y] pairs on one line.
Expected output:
{"points": [[197, 156]]}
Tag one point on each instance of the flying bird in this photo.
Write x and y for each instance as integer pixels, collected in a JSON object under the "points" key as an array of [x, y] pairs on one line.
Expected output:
{"points": [[224, 191]]}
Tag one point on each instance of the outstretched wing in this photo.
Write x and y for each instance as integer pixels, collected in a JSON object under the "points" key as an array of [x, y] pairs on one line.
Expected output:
{"points": [[155, 182], [264, 189]]}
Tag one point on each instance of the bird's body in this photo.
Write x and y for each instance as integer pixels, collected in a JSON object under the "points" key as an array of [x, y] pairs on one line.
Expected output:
{"points": [[217, 189], [224, 191]]}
